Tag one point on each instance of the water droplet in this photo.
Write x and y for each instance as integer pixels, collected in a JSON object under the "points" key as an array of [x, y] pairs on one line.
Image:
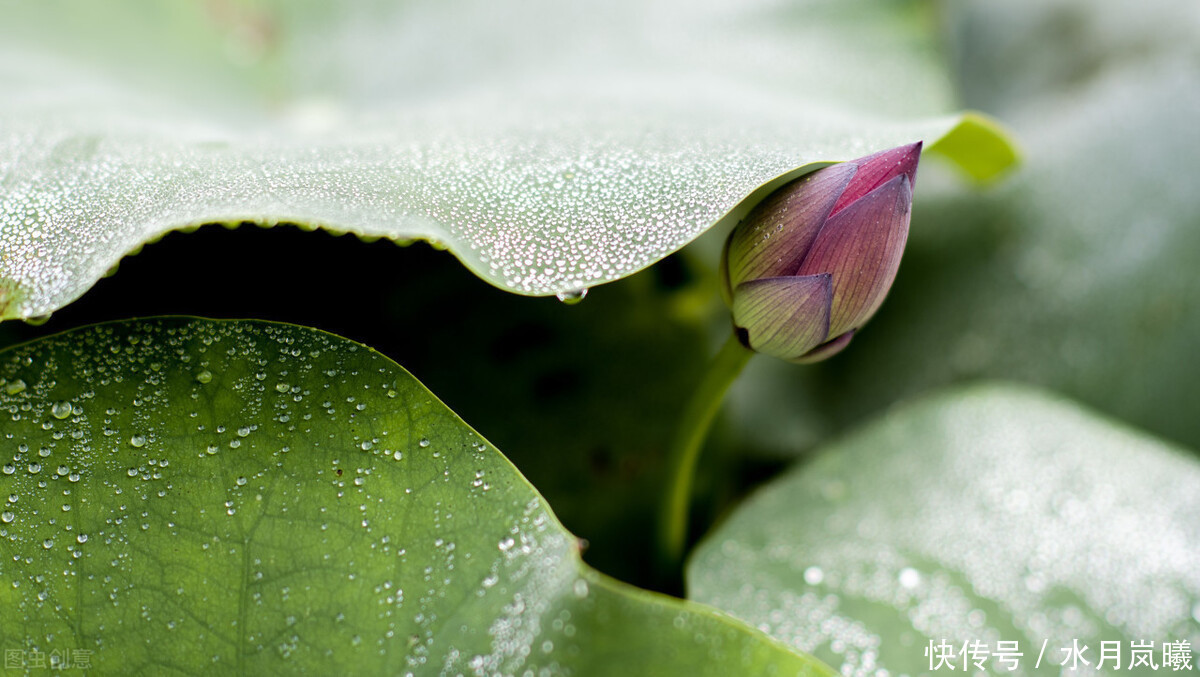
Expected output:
{"points": [[243, 431], [7, 516], [423, 443], [81, 538], [581, 588], [241, 481], [282, 387], [212, 449], [204, 376], [910, 577], [572, 297], [132, 472], [367, 445], [60, 410], [814, 575], [9, 468], [14, 386], [137, 441], [48, 543]]}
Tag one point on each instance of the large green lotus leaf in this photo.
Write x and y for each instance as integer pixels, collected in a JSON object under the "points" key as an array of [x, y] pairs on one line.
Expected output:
{"points": [[992, 513], [189, 496], [1079, 273], [550, 145]]}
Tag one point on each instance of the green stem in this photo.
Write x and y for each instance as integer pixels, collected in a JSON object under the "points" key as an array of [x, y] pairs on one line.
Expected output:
{"points": [[689, 439]]}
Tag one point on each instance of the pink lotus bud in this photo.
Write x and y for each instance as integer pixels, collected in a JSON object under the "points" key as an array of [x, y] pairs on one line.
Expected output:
{"points": [[813, 261]]}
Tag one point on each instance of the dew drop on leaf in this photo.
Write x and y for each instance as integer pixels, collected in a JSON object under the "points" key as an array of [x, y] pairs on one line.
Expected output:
{"points": [[572, 297]]}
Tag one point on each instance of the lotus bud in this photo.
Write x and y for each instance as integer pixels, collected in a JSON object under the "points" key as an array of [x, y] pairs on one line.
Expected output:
{"points": [[812, 262]]}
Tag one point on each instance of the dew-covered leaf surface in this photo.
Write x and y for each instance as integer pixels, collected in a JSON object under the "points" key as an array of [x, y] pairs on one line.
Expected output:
{"points": [[984, 514], [195, 497], [550, 145]]}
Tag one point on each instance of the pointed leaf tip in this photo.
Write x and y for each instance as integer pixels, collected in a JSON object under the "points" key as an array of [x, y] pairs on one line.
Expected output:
{"points": [[876, 170]]}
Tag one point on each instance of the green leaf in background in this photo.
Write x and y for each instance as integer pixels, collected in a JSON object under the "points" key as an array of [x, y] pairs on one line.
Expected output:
{"points": [[1079, 274], [988, 513], [189, 496], [550, 145]]}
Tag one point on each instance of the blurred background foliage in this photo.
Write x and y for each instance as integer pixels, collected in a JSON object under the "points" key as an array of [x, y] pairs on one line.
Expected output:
{"points": [[1077, 274]]}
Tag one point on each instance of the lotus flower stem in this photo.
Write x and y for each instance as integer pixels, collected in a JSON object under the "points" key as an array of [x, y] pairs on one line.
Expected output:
{"points": [[687, 443], [802, 272]]}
